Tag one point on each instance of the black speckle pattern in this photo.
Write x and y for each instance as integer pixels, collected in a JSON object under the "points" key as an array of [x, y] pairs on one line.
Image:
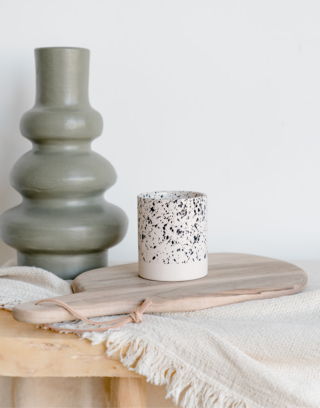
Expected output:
{"points": [[172, 227]]}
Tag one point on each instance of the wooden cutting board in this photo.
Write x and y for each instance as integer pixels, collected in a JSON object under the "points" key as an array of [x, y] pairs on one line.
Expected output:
{"points": [[232, 278]]}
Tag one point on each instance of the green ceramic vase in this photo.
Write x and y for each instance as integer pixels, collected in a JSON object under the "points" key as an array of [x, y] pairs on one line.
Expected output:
{"points": [[63, 224]]}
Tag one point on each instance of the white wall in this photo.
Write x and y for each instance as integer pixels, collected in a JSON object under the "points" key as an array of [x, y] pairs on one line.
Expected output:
{"points": [[221, 97]]}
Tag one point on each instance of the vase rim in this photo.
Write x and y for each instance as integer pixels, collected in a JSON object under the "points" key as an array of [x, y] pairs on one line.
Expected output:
{"points": [[62, 48]]}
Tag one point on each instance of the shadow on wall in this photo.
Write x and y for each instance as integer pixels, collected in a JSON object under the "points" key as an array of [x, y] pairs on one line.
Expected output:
{"points": [[14, 101]]}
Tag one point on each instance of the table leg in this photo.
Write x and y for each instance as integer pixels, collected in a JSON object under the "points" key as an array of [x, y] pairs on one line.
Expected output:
{"points": [[128, 393]]}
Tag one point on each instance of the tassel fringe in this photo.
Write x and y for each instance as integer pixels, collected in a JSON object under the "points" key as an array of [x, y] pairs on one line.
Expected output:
{"points": [[8, 303], [159, 369]]}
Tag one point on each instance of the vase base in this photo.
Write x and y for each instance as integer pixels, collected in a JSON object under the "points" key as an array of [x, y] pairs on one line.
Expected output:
{"points": [[65, 266]]}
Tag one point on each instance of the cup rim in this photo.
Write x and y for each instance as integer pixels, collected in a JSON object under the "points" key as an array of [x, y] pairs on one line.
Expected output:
{"points": [[158, 195]]}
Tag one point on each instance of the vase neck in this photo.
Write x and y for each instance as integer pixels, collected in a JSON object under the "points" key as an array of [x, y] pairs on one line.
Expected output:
{"points": [[62, 76]]}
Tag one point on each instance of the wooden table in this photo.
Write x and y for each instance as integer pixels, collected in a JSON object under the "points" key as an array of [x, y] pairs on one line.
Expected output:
{"points": [[29, 352]]}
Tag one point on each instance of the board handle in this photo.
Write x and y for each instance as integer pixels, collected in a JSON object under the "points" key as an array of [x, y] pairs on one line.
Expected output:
{"points": [[135, 317]]}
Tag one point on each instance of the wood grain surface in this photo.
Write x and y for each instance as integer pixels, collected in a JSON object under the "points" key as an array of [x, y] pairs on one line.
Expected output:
{"points": [[232, 278], [128, 393], [28, 352]]}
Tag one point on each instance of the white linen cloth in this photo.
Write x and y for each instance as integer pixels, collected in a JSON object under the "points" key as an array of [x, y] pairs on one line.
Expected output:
{"points": [[263, 353], [25, 284]]}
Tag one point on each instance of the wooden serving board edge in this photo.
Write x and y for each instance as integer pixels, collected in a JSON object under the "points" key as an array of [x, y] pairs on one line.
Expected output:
{"points": [[30, 313]]}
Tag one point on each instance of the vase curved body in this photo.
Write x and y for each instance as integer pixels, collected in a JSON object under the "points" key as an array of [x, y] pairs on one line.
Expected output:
{"points": [[63, 224]]}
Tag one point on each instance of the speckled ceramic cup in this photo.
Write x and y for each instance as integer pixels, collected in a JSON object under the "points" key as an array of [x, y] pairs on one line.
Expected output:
{"points": [[172, 228]]}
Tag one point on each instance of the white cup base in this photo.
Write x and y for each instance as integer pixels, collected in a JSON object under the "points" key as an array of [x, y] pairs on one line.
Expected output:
{"points": [[173, 272]]}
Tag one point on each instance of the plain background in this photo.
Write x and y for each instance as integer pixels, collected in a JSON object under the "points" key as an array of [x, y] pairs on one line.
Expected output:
{"points": [[221, 97]]}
